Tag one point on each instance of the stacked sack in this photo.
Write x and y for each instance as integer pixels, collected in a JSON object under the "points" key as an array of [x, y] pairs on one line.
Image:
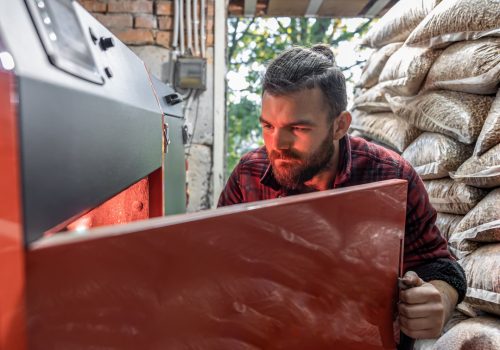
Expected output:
{"points": [[436, 101], [393, 69]]}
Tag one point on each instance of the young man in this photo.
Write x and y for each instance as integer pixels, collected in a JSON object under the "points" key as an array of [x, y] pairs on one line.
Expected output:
{"points": [[307, 148]]}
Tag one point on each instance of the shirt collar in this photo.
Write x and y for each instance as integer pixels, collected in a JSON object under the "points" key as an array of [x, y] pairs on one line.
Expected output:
{"points": [[343, 174], [345, 162]]}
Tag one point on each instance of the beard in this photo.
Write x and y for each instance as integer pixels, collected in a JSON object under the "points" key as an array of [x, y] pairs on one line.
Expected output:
{"points": [[297, 169]]}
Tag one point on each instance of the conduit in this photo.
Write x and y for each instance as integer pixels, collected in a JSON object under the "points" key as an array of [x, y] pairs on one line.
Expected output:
{"points": [[189, 28], [196, 23], [203, 30], [181, 24]]}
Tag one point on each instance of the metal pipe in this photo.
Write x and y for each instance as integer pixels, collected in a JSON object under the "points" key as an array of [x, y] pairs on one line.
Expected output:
{"points": [[203, 30], [219, 81], [181, 24], [196, 23], [175, 39], [189, 28]]}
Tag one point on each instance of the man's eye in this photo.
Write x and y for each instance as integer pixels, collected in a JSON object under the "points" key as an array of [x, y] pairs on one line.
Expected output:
{"points": [[299, 128], [267, 126]]}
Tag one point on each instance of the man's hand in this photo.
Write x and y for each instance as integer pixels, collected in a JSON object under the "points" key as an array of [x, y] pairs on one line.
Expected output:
{"points": [[425, 307]]}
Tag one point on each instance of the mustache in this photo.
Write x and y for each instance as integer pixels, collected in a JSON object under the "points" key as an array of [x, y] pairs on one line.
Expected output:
{"points": [[284, 154]]}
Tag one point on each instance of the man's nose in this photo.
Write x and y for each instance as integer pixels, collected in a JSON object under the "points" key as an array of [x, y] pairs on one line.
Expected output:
{"points": [[281, 139]]}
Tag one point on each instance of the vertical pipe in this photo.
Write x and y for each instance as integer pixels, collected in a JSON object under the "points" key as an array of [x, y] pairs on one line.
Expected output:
{"points": [[203, 30], [175, 39], [189, 27], [181, 24], [196, 23], [219, 97]]}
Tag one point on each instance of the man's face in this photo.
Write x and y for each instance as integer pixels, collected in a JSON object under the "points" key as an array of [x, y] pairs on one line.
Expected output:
{"points": [[298, 135]]}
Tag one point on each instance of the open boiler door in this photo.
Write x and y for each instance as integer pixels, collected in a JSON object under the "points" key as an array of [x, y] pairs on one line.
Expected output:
{"points": [[315, 271]]}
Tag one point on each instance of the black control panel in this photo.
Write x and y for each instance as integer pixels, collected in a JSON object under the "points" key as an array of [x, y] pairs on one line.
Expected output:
{"points": [[64, 39]]}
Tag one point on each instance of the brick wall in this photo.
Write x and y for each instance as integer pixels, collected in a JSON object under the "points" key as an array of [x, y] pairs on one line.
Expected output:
{"points": [[143, 22]]}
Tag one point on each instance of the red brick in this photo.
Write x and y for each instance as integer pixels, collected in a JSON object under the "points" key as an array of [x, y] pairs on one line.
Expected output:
{"points": [[135, 36], [165, 8], [210, 9], [165, 22], [131, 6], [235, 9], [210, 40], [164, 38], [115, 20], [210, 25], [94, 6], [145, 21]]}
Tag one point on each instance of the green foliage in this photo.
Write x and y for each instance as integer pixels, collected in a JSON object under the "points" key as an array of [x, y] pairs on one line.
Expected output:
{"points": [[245, 133], [252, 43]]}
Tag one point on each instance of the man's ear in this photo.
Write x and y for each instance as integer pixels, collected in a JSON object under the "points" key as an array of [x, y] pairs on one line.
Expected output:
{"points": [[341, 124]]}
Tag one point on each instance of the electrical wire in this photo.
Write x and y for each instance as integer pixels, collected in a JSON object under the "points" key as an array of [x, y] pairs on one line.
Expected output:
{"points": [[188, 151]]}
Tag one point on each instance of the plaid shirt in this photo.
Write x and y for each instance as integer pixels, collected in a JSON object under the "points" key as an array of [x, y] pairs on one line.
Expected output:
{"points": [[362, 162]]}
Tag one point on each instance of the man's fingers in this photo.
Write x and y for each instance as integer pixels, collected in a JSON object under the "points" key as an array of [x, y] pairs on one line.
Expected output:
{"points": [[416, 324], [418, 295], [411, 279], [419, 310]]}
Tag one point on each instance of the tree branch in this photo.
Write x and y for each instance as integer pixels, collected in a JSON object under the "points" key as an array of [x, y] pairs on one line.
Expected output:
{"points": [[343, 69], [234, 40], [335, 26], [347, 35], [303, 30], [283, 28]]}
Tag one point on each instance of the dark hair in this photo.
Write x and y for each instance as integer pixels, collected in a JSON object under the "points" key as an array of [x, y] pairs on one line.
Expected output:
{"points": [[301, 68]]}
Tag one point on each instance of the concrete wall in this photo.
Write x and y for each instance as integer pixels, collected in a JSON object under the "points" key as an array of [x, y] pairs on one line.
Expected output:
{"points": [[146, 26]]}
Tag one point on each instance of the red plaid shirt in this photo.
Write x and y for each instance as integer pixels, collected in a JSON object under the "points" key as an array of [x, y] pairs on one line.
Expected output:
{"points": [[360, 162]]}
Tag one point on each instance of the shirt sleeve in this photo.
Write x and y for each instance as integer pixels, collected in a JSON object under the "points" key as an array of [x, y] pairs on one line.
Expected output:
{"points": [[426, 250], [231, 194]]}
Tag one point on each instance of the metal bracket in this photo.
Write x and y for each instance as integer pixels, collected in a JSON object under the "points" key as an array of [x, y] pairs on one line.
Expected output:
{"points": [[166, 137]]}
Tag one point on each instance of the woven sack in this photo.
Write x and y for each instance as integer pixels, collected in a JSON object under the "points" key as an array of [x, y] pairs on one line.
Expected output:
{"points": [[483, 280], [385, 128], [373, 100], [490, 133], [447, 223], [429, 344], [355, 133], [375, 64], [457, 114], [477, 333], [448, 196], [406, 69], [481, 224], [469, 66], [434, 155], [482, 171], [457, 20], [397, 24]]}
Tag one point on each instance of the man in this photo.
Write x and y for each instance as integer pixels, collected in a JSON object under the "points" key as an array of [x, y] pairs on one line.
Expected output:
{"points": [[307, 148]]}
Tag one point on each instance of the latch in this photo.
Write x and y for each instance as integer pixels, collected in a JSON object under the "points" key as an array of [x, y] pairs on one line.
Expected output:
{"points": [[166, 137], [173, 99]]}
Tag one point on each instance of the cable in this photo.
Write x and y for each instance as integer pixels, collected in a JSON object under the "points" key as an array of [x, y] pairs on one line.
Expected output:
{"points": [[188, 152]]}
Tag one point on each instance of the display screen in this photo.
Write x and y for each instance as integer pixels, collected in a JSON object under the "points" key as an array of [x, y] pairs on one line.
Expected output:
{"points": [[64, 40], [70, 39]]}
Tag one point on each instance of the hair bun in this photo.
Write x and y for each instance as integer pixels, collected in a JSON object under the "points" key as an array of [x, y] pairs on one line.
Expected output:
{"points": [[325, 51]]}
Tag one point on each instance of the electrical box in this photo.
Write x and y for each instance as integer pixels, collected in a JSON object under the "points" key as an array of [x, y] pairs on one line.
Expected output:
{"points": [[190, 73]]}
